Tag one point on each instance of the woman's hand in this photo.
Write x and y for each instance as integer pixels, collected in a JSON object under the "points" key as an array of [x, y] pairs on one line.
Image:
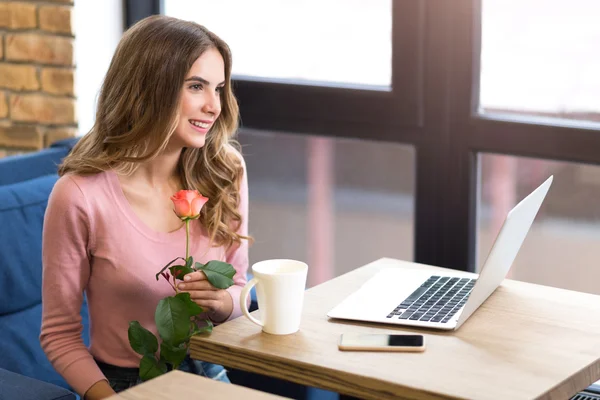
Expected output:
{"points": [[217, 302]]}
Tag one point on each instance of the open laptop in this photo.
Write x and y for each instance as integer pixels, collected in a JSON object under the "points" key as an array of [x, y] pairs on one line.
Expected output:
{"points": [[442, 301]]}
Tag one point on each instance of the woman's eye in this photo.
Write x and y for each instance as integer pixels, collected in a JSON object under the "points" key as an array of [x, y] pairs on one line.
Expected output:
{"points": [[219, 89], [196, 87]]}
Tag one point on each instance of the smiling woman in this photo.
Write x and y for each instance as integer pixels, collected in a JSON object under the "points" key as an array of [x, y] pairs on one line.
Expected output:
{"points": [[165, 122]]}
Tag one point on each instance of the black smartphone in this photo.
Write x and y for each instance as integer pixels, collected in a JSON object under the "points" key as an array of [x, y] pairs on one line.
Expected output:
{"points": [[381, 342]]}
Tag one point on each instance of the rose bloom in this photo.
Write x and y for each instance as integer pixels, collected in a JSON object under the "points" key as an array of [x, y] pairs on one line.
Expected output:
{"points": [[188, 203]]}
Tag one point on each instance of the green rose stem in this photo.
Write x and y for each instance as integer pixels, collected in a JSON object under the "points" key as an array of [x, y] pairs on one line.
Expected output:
{"points": [[187, 239], [175, 285], [187, 250]]}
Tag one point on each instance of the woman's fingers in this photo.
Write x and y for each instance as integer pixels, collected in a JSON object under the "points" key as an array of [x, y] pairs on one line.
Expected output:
{"points": [[210, 300], [208, 305], [195, 276], [217, 302], [203, 295], [196, 285]]}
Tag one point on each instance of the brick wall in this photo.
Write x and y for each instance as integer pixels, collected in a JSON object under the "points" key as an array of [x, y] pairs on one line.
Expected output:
{"points": [[37, 99]]}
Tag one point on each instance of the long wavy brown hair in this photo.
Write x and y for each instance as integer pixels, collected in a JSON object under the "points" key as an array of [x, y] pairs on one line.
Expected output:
{"points": [[138, 110]]}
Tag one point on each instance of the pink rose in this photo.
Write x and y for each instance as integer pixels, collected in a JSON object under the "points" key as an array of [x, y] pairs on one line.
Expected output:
{"points": [[188, 203]]}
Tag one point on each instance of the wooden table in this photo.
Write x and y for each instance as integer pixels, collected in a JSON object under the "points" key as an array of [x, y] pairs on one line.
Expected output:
{"points": [[525, 342], [178, 385]]}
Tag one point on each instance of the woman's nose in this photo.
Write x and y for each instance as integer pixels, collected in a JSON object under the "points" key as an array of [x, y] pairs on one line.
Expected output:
{"points": [[212, 103]]}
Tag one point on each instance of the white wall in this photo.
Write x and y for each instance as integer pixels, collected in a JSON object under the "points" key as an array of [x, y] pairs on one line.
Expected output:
{"points": [[98, 28]]}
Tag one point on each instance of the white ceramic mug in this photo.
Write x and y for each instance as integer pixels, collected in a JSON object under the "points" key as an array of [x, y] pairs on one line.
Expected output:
{"points": [[280, 288]]}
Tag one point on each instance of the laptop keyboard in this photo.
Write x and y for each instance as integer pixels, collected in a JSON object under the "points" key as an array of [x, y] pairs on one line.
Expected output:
{"points": [[436, 300]]}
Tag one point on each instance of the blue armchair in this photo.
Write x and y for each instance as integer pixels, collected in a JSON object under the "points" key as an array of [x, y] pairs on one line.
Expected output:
{"points": [[25, 184]]}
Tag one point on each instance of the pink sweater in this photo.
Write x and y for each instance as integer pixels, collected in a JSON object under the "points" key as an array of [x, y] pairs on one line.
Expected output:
{"points": [[94, 242]]}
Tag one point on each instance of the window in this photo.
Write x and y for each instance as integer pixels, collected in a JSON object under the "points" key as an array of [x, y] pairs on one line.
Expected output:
{"points": [[93, 53], [311, 200], [322, 42], [561, 248], [540, 58]]}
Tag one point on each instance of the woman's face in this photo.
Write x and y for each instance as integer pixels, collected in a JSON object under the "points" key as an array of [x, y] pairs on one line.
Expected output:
{"points": [[200, 100]]}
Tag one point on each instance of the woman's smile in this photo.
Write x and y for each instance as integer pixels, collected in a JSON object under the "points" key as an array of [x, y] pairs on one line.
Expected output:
{"points": [[200, 126]]}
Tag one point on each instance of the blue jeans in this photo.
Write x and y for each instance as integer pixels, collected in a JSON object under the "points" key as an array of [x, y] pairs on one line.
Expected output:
{"points": [[121, 378]]}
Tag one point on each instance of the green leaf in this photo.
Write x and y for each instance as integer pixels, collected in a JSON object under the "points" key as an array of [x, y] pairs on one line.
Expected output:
{"points": [[192, 308], [221, 267], [167, 266], [179, 271], [189, 262], [174, 355], [151, 368], [142, 341], [172, 318], [218, 273], [198, 266]]}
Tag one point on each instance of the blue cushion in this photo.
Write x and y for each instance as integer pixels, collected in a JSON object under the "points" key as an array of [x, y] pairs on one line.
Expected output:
{"points": [[22, 208], [65, 143], [32, 165], [28, 166], [20, 345], [15, 386]]}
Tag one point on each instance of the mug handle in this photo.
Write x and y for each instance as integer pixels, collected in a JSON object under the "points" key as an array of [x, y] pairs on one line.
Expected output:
{"points": [[244, 304]]}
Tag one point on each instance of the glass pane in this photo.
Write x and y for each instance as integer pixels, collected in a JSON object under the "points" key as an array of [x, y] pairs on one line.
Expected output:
{"points": [[311, 200], [539, 57], [561, 248], [309, 41]]}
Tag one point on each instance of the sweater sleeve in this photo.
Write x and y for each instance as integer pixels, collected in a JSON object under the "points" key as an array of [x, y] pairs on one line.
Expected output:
{"points": [[66, 244], [237, 255]]}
